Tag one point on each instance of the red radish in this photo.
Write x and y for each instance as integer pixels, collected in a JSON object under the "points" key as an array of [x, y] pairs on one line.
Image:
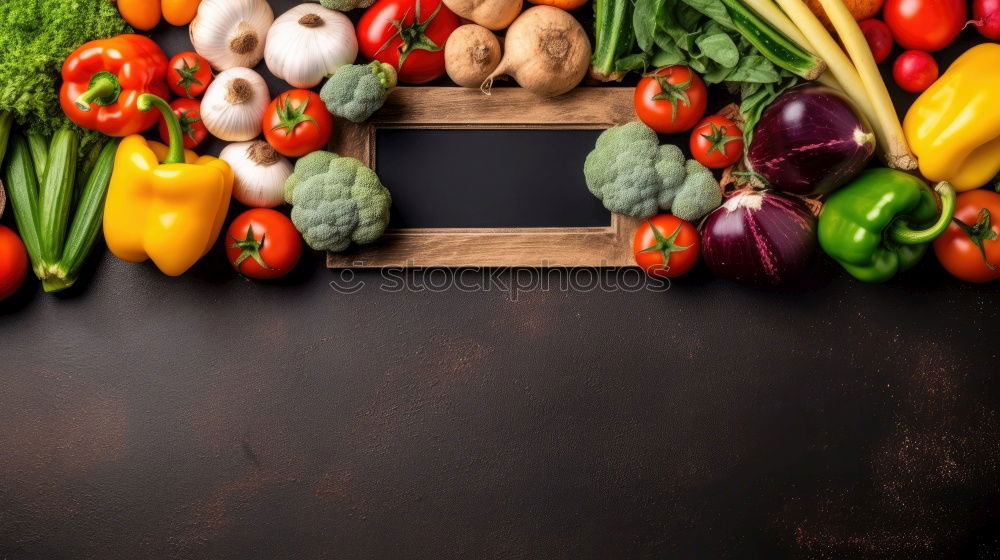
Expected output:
{"points": [[879, 38], [915, 71], [986, 18]]}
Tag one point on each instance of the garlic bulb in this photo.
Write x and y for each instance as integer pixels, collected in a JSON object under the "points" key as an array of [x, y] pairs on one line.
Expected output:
{"points": [[231, 33], [259, 173], [234, 104], [308, 43]]}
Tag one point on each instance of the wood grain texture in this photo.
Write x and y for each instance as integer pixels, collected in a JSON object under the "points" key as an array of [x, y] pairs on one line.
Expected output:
{"points": [[506, 108]]}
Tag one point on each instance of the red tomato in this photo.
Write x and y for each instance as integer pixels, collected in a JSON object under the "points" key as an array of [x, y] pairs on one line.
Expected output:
{"points": [[262, 243], [13, 263], [297, 123], [409, 35], [915, 71], [188, 111], [671, 100], [972, 252], [927, 25], [879, 38], [716, 142], [189, 75], [666, 246]]}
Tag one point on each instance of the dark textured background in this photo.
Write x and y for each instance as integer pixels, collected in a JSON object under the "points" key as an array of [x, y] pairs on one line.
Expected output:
{"points": [[210, 416]]}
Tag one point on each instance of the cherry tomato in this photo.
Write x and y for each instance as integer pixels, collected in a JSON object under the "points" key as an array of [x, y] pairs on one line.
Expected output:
{"points": [[671, 100], [189, 75], [13, 263], [986, 18], [297, 123], [188, 111], [879, 38], [263, 243], [409, 35], [915, 71], [716, 142], [666, 246], [927, 25], [971, 252]]}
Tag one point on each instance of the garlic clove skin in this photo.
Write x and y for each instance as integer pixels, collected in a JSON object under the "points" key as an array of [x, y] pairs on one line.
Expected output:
{"points": [[233, 106], [231, 33], [259, 173], [309, 43]]}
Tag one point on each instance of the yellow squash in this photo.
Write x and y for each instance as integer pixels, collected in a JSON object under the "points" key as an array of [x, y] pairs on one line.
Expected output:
{"points": [[165, 204], [954, 126]]}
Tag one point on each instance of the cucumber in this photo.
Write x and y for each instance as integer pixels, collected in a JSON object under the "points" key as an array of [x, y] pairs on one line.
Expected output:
{"points": [[772, 43], [55, 194], [86, 221], [39, 147]]}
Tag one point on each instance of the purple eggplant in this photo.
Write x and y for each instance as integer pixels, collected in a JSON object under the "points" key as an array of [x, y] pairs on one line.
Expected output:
{"points": [[811, 140], [761, 238]]}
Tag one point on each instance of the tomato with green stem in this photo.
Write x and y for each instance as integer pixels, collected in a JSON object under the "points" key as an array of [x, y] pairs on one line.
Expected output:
{"points": [[262, 243], [409, 35], [13, 263], [666, 246], [297, 123], [670, 100], [189, 75], [716, 142], [188, 112], [970, 248]]}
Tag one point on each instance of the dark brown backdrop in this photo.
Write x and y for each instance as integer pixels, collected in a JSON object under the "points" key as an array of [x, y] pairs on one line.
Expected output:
{"points": [[210, 416]]}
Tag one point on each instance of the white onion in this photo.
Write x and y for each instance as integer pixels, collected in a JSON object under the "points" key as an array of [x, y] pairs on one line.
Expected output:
{"points": [[234, 104], [308, 43], [259, 173], [230, 33]]}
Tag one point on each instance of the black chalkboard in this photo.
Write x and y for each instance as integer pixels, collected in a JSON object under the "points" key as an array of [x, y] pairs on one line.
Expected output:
{"points": [[488, 178]]}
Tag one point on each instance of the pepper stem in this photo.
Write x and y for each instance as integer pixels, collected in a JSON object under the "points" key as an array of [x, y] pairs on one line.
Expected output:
{"points": [[902, 234], [148, 102], [103, 90]]}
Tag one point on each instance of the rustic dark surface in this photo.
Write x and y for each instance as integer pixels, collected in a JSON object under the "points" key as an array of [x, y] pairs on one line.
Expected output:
{"points": [[210, 416]]}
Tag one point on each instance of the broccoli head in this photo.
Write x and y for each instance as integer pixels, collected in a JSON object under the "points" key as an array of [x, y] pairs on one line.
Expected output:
{"points": [[336, 201], [346, 5], [634, 175], [355, 91]]}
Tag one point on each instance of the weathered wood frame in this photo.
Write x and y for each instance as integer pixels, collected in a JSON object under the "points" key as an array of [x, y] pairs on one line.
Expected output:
{"points": [[507, 108]]}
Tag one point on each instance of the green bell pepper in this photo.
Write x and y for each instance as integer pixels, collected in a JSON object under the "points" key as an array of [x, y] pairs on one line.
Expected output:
{"points": [[866, 225]]}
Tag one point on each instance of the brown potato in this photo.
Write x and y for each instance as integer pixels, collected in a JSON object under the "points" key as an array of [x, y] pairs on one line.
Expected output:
{"points": [[860, 9]]}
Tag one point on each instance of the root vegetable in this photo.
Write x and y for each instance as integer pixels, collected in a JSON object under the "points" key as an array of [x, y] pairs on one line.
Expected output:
{"points": [[860, 9], [471, 54], [546, 51], [491, 14]]}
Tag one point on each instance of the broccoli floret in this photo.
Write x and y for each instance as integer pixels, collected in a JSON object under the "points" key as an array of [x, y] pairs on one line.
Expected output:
{"points": [[698, 195], [336, 201], [346, 5], [633, 175], [355, 91]]}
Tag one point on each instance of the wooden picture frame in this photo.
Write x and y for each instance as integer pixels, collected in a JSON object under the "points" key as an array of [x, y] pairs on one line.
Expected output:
{"points": [[506, 108]]}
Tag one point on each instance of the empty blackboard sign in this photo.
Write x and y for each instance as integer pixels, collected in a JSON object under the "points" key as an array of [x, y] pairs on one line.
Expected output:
{"points": [[489, 180]]}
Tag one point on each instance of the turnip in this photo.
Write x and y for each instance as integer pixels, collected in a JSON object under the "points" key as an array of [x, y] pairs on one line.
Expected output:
{"points": [[471, 53], [491, 14], [546, 51]]}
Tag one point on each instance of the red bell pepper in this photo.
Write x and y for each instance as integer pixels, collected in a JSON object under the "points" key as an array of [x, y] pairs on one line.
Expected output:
{"points": [[103, 79]]}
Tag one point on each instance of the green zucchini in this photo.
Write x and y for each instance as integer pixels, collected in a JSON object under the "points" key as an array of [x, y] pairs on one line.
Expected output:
{"points": [[56, 192], [86, 221], [6, 123], [613, 37], [22, 189], [772, 43], [39, 147]]}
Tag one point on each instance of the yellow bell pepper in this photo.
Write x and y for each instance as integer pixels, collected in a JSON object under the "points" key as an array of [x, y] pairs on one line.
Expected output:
{"points": [[954, 126], [165, 203]]}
